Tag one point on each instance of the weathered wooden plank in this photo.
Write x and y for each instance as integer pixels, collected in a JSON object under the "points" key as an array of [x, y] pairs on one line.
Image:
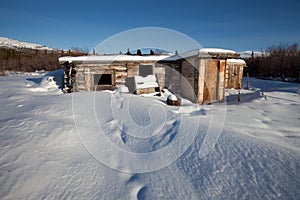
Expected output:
{"points": [[201, 80], [132, 73], [221, 82], [160, 72], [241, 76], [211, 81], [145, 90], [87, 79]]}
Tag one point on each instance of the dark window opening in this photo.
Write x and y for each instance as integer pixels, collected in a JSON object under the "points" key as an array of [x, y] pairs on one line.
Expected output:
{"points": [[145, 70], [102, 79]]}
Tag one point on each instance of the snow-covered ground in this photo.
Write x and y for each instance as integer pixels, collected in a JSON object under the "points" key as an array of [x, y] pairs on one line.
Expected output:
{"points": [[106, 145]]}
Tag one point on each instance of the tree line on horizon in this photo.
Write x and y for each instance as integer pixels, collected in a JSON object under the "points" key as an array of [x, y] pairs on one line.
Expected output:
{"points": [[30, 60], [282, 60]]}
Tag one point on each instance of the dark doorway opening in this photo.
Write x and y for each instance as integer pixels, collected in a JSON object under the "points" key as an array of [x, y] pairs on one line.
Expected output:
{"points": [[102, 79]]}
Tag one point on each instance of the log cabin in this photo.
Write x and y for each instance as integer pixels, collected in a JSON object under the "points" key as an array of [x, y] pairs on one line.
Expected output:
{"points": [[106, 72], [200, 75]]}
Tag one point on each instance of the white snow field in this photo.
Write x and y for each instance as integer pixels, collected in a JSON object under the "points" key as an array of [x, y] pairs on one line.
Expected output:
{"points": [[119, 148]]}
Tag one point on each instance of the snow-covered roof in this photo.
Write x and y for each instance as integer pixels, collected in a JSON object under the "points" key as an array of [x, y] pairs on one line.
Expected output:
{"points": [[236, 61], [110, 58], [172, 97], [216, 50], [204, 52]]}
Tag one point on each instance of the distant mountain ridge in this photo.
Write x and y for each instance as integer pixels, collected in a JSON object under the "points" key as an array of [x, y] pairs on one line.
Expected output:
{"points": [[248, 54], [15, 44]]}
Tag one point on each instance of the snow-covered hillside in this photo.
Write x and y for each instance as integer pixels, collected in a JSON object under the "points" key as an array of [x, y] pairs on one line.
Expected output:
{"points": [[106, 145], [248, 54], [10, 43]]}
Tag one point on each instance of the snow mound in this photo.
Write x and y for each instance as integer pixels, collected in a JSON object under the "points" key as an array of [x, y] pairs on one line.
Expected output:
{"points": [[145, 82], [51, 82], [172, 97]]}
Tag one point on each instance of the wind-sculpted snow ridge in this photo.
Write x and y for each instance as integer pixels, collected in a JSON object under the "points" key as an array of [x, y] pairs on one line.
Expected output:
{"points": [[45, 156]]}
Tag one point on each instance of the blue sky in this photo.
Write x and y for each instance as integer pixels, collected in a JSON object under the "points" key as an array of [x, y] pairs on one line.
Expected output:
{"points": [[232, 24]]}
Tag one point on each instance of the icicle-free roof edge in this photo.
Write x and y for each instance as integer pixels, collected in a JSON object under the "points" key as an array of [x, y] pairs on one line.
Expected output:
{"points": [[111, 58], [236, 61], [204, 52]]}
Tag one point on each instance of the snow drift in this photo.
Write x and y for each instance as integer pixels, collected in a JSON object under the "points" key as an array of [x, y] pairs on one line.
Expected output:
{"points": [[44, 155], [50, 82]]}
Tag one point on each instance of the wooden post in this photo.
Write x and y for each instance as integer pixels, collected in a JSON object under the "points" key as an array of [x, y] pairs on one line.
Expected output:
{"points": [[247, 81], [221, 79], [201, 80]]}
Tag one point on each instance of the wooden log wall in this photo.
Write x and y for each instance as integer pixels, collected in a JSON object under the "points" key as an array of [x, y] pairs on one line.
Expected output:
{"points": [[160, 71], [120, 71], [173, 77], [69, 77], [188, 72]]}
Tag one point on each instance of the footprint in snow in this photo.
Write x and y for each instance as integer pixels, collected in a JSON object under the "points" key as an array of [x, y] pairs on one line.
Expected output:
{"points": [[136, 189]]}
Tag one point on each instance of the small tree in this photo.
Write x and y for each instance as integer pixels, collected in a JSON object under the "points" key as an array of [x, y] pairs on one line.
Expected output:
{"points": [[139, 52], [128, 52]]}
